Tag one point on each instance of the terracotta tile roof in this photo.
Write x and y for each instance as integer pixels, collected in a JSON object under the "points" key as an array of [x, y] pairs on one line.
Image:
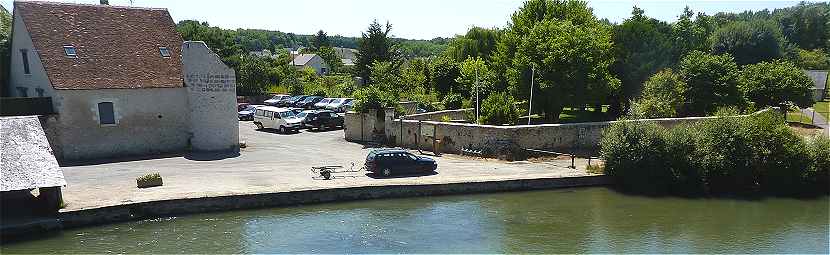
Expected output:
{"points": [[117, 47]]}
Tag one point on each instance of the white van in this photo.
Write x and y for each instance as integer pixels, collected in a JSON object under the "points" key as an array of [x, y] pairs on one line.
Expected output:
{"points": [[281, 119]]}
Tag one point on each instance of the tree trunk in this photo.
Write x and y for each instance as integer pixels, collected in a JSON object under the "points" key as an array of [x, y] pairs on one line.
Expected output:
{"points": [[552, 113]]}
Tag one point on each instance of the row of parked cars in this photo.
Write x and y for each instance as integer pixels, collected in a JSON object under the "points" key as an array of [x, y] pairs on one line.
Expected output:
{"points": [[287, 120], [311, 102]]}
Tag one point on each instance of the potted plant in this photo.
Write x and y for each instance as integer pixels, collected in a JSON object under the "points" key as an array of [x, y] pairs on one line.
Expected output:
{"points": [[149, 180]]}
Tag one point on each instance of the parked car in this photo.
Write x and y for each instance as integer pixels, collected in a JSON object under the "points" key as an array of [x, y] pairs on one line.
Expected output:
{"points": [[337, 104], [296, 110], [241, 106], [387, 162], [347, 106], [303, 115], [291, 101], [322, 104], [248, 112], [308, 102], [274, 100], [281, 119], [323, 119]]}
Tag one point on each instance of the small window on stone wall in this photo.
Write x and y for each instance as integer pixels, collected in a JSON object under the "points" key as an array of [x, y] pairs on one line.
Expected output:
{"points": [[106, 113], [39, 92]]}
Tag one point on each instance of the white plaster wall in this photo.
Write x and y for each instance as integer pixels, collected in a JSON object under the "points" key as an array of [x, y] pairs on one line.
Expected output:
{"points": [[17, 78], [148, 121], [211, 93]]}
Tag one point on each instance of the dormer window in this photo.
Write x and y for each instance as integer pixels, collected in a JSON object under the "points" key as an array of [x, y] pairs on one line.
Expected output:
{"points": [[165, 52], [70, 51]]}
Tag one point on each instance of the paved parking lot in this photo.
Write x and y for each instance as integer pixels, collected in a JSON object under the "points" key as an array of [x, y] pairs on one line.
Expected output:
{"points": [[272, 162]]}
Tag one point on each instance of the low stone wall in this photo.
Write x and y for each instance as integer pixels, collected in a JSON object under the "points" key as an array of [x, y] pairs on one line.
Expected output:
{"points": [[460, 114], [154, 209], [453, 137]]}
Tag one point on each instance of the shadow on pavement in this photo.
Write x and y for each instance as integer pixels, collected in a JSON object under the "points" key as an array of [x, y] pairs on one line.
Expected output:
{"points": [[210, 156], [377, 176], [277, 132], [87, 162]]}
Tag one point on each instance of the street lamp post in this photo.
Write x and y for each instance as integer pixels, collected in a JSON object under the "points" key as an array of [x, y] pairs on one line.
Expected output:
{"points": [[530, 102], [476, 87]]}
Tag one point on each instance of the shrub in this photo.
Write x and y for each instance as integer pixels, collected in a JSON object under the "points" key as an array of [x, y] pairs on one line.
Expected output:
{"points": [[634, 156], [370, 97], [498, 109], [726, 155], [453, 101], [818, 175]]}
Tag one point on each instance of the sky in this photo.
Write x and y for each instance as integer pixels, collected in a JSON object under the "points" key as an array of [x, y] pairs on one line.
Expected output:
{"points": [[412, 19]]}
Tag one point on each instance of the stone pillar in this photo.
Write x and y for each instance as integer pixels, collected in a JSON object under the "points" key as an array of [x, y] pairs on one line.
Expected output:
{"points": [[211, 87]]}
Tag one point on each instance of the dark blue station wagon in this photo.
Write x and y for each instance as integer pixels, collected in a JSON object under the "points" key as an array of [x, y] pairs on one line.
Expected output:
{"points": [[387, 162]]}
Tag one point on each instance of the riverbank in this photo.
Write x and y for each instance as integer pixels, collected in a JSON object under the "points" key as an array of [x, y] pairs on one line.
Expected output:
{"points": [[162, 208], [273, 170]]}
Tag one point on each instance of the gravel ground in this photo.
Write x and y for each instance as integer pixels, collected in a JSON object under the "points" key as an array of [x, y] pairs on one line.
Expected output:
{"points": [[274, 162]]}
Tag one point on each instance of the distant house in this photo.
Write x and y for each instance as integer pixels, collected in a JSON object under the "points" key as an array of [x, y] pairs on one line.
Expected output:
{"points": [[120, 81], [819, 78], [346, 55], [265, 53], [27, 163], [313, 61]]}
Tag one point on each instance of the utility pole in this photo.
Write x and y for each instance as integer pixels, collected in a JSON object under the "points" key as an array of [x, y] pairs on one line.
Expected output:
{"points": [[476, 87], [530, 102]]}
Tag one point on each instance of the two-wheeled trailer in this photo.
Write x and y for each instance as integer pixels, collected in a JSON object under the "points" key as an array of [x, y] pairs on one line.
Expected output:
{"points": [[327, 172]]}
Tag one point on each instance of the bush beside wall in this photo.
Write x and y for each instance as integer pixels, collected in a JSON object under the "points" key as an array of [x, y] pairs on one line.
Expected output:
{"points": [[723, 156]]}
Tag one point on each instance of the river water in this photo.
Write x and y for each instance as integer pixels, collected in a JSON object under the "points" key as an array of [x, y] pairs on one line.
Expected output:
{"points": [[585, 220]]}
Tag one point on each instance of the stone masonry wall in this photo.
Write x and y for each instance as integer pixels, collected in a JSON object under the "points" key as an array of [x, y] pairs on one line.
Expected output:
{"points": [[211, 92], [454, 137]]}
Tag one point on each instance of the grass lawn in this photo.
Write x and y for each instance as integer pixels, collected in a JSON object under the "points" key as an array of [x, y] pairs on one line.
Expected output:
{"points": [[571, 115], [798, 117], [823, 108], [575, 115]]}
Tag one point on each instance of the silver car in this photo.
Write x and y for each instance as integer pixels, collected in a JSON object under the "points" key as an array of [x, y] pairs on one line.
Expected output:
{"points": [[339, 104]]}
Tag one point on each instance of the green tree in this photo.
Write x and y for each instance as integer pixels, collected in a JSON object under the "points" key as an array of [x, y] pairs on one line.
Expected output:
{"points": [[662, 96], [642, 45], [498, 108], [749, 42], [375, 45], [712, 82], [471, 71], [815, 59], [775, 83], [477, 42], [331, 58], [443, 72], [5, 47], [570, 50], [252, 77], [222, 42], [689, 34], [806, 24], [320, 40]]}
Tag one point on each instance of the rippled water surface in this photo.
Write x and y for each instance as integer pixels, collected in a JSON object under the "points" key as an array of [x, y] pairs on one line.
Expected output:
{"points": [[589, 220]]}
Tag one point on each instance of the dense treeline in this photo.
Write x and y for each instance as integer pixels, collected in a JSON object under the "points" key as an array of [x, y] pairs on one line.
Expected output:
{"points": [[5, 43], [723, 156], [228, 42]]}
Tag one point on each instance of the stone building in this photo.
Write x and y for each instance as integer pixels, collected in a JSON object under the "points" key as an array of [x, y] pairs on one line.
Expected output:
{"points": [[116, 81]]}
